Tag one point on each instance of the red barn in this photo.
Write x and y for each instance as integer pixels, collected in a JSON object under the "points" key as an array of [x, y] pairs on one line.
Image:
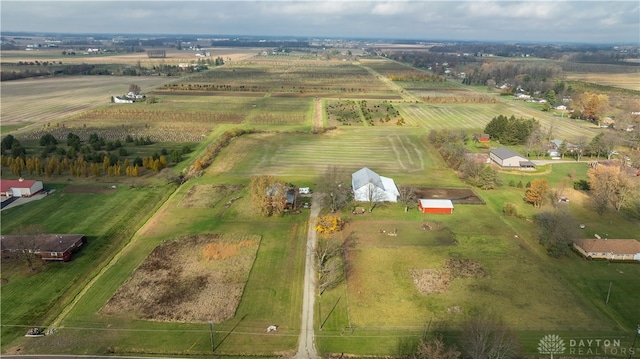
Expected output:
{"points": [[435, 206], [20, 187]]}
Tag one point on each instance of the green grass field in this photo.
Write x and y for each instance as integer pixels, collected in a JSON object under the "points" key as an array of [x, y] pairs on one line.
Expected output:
{"points": [[378, 310]]}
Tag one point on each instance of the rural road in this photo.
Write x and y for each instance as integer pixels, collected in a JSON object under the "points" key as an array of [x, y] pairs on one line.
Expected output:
{"points": [[306, 342]]}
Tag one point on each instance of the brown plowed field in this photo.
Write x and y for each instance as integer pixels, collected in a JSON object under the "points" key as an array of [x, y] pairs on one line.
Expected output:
{"points": [[456, 195]]}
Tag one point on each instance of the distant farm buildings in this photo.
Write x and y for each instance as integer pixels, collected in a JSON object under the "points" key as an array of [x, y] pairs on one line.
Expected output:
{"points": [[20, 188], [156, 54]]}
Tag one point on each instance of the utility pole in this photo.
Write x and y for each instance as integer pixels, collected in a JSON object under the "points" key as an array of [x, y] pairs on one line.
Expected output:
{"points": [[211, 335]]}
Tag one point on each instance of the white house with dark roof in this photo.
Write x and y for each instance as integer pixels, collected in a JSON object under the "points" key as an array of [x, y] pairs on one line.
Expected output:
{"points": [[370, 186], [507, 158]]}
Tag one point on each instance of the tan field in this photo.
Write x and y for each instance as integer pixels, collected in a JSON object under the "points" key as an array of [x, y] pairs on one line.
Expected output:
{"points": [[630, 81], [173, 56], [36, 101]]}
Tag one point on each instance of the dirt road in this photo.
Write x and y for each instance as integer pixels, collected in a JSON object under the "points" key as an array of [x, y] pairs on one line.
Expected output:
{"points": [[306, 343]]}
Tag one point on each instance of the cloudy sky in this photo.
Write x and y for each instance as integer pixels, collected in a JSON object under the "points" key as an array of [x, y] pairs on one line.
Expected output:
{"points": [[615, 21]]}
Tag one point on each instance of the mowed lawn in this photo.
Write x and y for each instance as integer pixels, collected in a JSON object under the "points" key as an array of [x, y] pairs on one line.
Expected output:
{"points": [[272, 295], [107, 220], [379, 308], [401, 153], [474, 117]]}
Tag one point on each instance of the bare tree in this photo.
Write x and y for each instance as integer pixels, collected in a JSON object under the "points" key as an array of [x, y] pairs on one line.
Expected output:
{"points": [[556, 230], [435, 349], [332, 188], [407, 196], [485, 338], [534, 140], [331, 263], [581, 143], [134, 88], [374, 194], [30, 247]]}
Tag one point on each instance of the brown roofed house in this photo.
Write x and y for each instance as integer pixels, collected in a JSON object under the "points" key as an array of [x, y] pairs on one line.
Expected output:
{"points": [[56, 247], [612, 249]]}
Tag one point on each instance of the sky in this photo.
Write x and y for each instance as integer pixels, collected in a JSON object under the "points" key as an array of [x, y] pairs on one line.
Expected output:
{"points": [[615, 21]]}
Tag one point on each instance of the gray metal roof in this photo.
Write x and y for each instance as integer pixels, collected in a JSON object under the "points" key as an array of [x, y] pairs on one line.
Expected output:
{"points": [[504, 153], [364, 176]]}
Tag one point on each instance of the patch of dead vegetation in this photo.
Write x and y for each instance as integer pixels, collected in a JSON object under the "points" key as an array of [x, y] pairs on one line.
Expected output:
{"points": [[432, 281], [190, 279], [207, 196]]}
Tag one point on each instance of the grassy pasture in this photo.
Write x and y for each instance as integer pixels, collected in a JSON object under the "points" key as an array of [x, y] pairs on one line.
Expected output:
{"points": [[106, 219], [378, 309], [272, 295], [401, 152], [475, 117]]}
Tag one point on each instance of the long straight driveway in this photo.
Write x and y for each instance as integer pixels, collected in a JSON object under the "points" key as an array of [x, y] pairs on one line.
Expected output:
{"points": [[306, 343]]}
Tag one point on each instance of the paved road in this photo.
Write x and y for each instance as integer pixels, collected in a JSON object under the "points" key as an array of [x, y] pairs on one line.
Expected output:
{"points": [[306, 343]]}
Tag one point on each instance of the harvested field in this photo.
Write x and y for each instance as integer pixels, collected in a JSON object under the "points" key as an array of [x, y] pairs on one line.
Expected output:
{"points": [[432, 281], [190, 279], [207, 196], [89, 189], [456, 195]]}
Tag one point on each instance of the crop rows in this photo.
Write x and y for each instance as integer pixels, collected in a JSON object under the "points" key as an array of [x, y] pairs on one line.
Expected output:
{"points": [[276, 119], [157, 133], [158, 116]]}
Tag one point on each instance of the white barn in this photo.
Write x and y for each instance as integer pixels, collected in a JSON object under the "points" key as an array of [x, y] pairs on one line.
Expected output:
{"points": [[510, 159], [369, 186]]}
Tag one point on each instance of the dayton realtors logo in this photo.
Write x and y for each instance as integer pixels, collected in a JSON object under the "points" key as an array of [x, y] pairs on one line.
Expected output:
{"points": [[551, 344], [554, 344]]}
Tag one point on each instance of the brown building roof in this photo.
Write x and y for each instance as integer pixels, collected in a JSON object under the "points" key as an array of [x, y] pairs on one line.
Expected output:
{"points": [[617, 246], [40, 242]]}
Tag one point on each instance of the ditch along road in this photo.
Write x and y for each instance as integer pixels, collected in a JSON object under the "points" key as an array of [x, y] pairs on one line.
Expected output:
{"points": [[306, 342]]}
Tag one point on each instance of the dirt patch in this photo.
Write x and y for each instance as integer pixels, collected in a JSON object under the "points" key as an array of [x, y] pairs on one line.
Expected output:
{"points": [[190, 279], [207, 196], [456, 195], [432, 281], [89, 189]]}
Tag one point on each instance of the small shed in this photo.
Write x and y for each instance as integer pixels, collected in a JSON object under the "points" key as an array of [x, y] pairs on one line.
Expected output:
{"points": [[435, 206]]}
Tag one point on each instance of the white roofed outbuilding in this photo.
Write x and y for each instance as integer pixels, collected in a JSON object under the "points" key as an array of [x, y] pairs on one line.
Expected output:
{"points": [[369, 186]]}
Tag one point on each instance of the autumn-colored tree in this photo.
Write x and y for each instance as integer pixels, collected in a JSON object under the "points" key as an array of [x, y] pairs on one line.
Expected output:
{"points": [[328, 224], [610, 186], [536, 193], [268, 194], [592, 105]]}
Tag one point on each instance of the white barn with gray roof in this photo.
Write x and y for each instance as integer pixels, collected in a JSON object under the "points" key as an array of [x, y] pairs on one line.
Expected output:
{"points": [[510, 159], [369, 186]]}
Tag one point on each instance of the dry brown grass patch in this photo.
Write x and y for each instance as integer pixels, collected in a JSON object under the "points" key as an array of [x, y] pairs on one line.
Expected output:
{"points": [[190, 279], [432, 281]]}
